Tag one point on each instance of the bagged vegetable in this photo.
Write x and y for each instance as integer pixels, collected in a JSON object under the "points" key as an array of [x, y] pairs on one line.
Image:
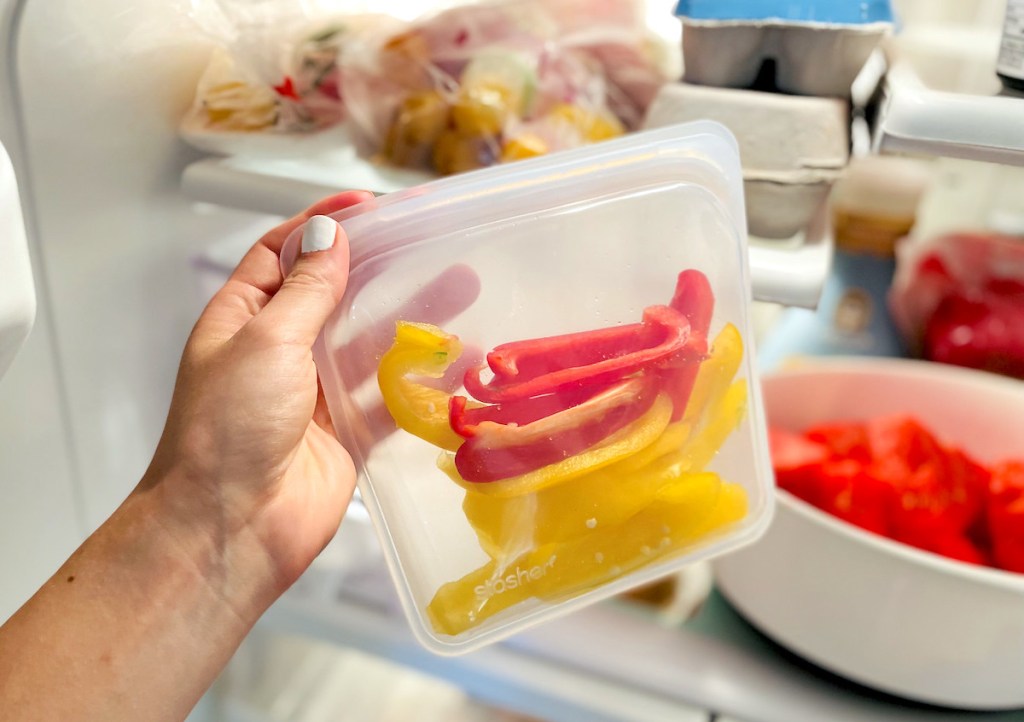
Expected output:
{"points": [[493, 82], [959, 299], [273, 69]]}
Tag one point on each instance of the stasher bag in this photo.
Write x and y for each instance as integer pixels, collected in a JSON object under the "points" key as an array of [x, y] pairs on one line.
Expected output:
{"points": [[544, 374]]}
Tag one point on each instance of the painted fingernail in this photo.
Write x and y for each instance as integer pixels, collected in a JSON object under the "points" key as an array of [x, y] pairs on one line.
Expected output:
{"points": [[319, 234]]}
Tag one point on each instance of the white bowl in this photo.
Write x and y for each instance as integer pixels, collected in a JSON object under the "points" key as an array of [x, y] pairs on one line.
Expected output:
{"points": [[878, 612]]}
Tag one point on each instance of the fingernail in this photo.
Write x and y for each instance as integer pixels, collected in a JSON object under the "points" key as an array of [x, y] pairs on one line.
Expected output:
{"points": [[319, 234]]}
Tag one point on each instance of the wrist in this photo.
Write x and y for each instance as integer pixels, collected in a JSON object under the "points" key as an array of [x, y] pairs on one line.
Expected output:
{"points": [[220, 547]]}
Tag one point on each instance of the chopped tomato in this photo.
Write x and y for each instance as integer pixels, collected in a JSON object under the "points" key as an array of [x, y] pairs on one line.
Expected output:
{"points": [[1006, 515], [796, 461], [848, 440], [893, 476]]}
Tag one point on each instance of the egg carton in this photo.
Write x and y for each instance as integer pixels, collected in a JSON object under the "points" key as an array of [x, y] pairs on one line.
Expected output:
{"points": [[818, 48], [792, 148]]}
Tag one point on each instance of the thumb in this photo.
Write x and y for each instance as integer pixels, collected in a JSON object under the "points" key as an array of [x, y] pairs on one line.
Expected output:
{"points": [[313, 288]]}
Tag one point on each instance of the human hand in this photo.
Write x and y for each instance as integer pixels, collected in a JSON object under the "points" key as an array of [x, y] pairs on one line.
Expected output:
{"points": [[248, 453]]}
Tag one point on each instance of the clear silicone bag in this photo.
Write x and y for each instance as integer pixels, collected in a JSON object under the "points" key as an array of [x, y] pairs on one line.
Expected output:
{"points": [[577, 466]]}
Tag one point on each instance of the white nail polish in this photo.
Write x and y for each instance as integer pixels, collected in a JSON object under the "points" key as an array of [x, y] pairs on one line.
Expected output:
{"points": [[319, 234]]}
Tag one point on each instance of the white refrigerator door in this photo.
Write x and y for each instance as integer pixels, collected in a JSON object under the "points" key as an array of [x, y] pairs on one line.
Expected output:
{"points": [[90, 95], [40, 522], [17, 291], [100, 87]]}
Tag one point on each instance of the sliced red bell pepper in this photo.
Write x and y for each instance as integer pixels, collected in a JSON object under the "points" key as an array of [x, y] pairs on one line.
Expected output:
{"points": [[465, 419], [663, 339], [497, 451], [694, 299], [525, 360], [1006, 515]]}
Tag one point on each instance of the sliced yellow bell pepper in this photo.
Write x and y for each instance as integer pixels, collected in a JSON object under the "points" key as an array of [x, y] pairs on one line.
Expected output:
{"points": [[509, 526], [419, 349], [728, 413], [626, 441], [716, 373], [686, 514]]}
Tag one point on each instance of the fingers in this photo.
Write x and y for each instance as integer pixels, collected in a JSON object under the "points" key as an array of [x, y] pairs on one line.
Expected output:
{"points": [[312, 289], [261, 266], [258, 276]]}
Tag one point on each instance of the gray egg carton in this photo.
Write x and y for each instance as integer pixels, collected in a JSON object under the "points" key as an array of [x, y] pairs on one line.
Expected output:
{"points": [[810, 58], [792, 148]]}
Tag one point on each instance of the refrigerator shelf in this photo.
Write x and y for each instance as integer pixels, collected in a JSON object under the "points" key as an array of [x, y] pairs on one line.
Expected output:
{"points": [[613, 663], [914, 118], [500, 675], [790, 272]]}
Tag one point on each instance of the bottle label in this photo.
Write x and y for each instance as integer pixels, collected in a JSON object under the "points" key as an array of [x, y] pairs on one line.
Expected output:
{"points": [[1011, 52]]}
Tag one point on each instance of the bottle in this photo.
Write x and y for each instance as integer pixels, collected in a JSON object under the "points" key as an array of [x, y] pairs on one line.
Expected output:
{"points": [[873, 206], [1010, 66]]}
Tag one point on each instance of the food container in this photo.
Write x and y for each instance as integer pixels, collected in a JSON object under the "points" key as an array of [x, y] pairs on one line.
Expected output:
{"points": [[818, 47], [534, 473], [876, 611], [792, 148]]}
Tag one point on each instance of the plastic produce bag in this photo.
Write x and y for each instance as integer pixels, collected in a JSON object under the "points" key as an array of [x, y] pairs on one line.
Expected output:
{"points": [[274, 67], [492, 82], [959, 299]]}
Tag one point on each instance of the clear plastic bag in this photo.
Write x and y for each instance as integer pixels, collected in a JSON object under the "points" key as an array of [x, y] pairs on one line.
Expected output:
{"points": [[959, 299], [485, 83], [274, 67]]}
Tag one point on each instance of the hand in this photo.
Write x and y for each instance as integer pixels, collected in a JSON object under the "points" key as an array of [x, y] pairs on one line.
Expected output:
{"points": [[248, 450]]}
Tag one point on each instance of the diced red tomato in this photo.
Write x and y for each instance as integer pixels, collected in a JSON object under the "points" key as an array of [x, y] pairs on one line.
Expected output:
{"points": [[904, 438], [850, 493], [847, 440], [960, 548], [892, 476], [793, 452], [1006, 515]]}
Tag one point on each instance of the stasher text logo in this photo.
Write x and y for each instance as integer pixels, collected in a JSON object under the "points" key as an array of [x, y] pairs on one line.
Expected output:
{"points": [[516, 578]]}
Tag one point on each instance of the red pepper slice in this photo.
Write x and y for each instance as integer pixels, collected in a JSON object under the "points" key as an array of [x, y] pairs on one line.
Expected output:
{"points": [[663, 339], [524, 360], [465, 419], [694, 299], [497, 451]]}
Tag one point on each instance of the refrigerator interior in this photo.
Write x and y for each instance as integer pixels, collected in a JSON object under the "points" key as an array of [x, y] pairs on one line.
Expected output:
{"points": [[90, 95]]}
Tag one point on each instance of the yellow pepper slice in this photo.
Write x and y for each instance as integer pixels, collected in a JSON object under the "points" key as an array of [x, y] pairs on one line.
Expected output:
{"points": [[687, 513], [419, 349], [716, 373], [728, 412], [508, 527], [626, 441]]}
